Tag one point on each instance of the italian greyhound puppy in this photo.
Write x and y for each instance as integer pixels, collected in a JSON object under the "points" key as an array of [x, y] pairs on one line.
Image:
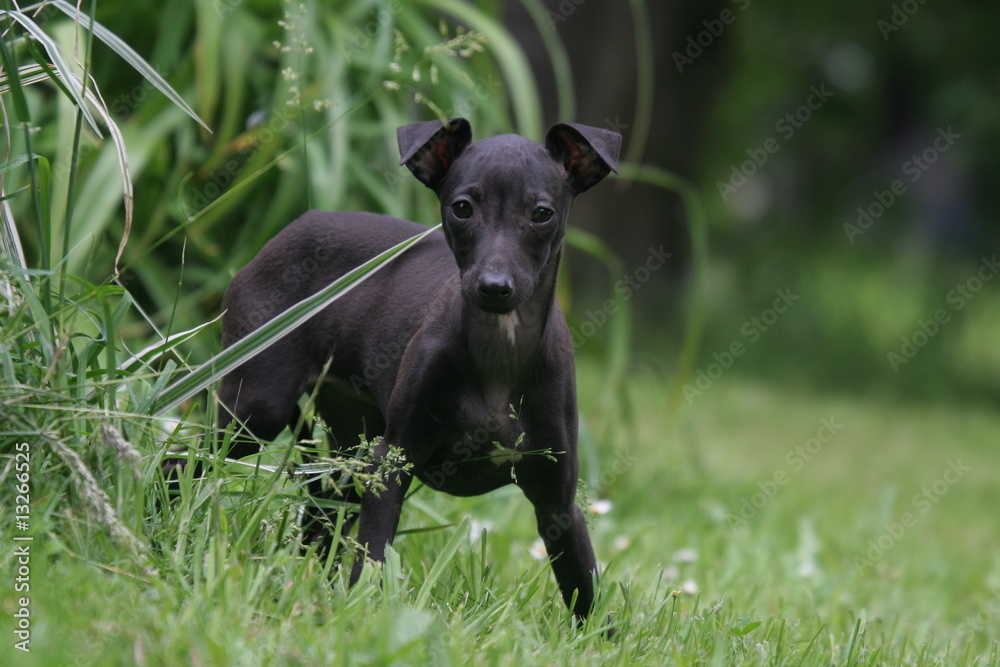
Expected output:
{"points": [[456, 352]]}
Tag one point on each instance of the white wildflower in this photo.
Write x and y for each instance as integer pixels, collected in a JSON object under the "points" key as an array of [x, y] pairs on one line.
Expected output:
{"points": [[687, 555]]}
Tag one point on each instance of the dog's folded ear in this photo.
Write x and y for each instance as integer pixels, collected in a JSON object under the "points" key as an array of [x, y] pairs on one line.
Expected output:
{"points": [[588, 153], [429, 149]]}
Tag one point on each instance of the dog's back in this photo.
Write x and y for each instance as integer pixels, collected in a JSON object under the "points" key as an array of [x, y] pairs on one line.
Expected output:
{"points": [[364, 332], [320, 247]]}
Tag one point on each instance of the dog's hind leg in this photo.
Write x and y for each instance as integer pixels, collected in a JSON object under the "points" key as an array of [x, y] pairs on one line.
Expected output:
{"points": [[261, 396], [348, 416]]}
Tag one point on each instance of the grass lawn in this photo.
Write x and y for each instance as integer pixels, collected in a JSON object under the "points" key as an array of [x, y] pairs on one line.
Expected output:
{"points": [[769, 525]]}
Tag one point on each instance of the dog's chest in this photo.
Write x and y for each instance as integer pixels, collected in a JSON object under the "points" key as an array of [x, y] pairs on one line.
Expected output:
{"points": [[485, 399], [488, 419], [477, 442]]}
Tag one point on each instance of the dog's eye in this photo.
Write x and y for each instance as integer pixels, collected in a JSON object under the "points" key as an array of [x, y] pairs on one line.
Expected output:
{"points": [[462, 209], [542, 214]]}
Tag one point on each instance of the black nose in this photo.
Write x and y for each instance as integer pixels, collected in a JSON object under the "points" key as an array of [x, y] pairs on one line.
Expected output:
{"points": [[495, 288]]}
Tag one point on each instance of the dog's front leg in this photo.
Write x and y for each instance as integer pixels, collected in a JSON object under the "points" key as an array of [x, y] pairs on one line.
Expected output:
{"points": [[564, 531], [379, 516]]}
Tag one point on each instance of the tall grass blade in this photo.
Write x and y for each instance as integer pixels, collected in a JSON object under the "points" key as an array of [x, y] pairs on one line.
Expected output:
{"points": [[129, 55], [620, 326], [36, 74], [441, 561], [23, 114], [27, 75], [699, 258], [19, 161], [121, 153], [645, 81], [277, 328], [558, 58], [157, 350], [517, 72], [55, 54], [619, 345], [11, 250], [12, 247], [71, 191]]}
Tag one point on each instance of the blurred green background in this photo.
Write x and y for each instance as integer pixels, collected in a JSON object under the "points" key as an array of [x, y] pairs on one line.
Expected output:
{"points": [[723, 94]]}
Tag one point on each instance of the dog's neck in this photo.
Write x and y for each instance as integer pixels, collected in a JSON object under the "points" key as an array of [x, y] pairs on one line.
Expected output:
{"points": [[502, 346]]}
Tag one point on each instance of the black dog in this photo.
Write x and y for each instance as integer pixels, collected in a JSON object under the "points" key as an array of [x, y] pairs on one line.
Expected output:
{"points": [[455, 346]]}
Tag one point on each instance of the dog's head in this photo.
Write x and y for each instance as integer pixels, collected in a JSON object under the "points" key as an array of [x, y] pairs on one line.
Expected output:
{"points": [[505, 200]]}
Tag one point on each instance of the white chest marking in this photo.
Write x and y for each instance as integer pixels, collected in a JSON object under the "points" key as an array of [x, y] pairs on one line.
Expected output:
{"points": [[508, 324]]}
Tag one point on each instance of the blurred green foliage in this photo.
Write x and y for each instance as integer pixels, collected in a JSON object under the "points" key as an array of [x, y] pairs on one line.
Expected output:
{"points": [[815, 210], [301, 117], [302, 104]]}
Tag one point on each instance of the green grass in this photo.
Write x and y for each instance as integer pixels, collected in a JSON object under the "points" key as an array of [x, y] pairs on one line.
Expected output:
{"points": [[783, 588]]}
